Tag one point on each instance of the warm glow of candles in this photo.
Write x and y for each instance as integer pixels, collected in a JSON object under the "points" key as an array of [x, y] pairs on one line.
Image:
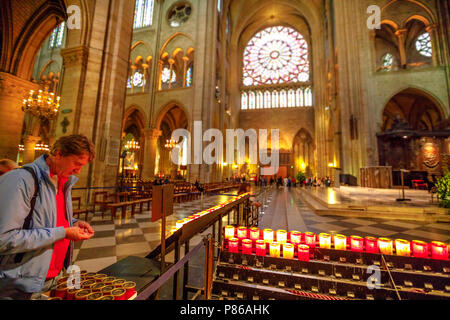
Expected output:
{"points": [[247, 246], [233, 245], [439, 250], [325, 241], [402, 247], [288, 251], [254, 234], [340, 242], [268, 235], [242, 233], [310, 239], [419, 249], [274, 248], [261, 248], [385, 245], [356, 243], [229, 232], [303, 252], [179, 224], [296, 237], [281, 236], [371, 245]]}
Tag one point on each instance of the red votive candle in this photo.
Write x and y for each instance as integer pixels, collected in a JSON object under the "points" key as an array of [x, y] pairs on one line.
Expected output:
{"points": [[439, 250], [261, 248], [296, 237], [233, 245], [247, 246], [254, 234], [303, 252], [371, 245], [356, 243], [242, 233], [419, 249], [310, 239]]}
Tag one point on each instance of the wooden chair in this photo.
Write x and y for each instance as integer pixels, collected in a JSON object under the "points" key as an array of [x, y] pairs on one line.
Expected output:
{"points": [[77, 209]]}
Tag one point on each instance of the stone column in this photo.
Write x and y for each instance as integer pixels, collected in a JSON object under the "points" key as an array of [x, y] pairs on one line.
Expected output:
{"points": [[151, 143], [401, 46], [185, 61], [29, 153], [13, 90], [432, 30]]}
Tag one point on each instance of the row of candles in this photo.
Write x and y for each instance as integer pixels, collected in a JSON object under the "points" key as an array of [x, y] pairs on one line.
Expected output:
{"points": [[180, 223], [294, 241]]}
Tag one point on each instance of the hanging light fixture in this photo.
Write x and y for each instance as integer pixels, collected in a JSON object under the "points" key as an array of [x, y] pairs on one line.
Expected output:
{"points": [[41, 147], [42, 104], [132, 145], [170, 144]]}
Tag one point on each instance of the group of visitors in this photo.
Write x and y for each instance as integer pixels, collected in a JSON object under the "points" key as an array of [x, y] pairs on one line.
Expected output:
{"points": [[317, 182]]}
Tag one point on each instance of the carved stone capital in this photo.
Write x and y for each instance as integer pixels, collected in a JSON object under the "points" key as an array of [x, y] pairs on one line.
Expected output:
{"points": [[13, 86], [152, 133], [75, 56]]}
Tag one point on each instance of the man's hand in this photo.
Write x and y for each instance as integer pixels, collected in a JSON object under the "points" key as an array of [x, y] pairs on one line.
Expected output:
{"points": [[85, 226], [77, 234]]}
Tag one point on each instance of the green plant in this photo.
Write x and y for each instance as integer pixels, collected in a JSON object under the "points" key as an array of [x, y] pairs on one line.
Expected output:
{"points": [[443, 190], [300, 177]]}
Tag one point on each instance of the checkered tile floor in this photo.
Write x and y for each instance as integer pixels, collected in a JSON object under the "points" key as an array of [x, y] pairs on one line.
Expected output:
{"points": [[137, 236]]}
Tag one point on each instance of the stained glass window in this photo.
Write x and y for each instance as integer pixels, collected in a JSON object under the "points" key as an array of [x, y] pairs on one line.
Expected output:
{"points": [[388, 61], [189, 77], [166, 75], [57, 36], [244, 101], [308, 97], [423, 45], [251, 100], [283, 99], [143, 14], [291, 98], [276, 55], [267, 100], [275, 99], [299, 101], [259, 100]]}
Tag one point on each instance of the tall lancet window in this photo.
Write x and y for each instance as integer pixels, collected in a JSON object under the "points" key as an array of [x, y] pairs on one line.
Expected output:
{"points": [[277, 58], [143, 14], [57, 36]]}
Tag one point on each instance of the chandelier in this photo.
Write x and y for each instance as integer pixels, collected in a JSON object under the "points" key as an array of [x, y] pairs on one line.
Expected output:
{"points": [[42, 104], [21, 147], [41, 147], [132, 145], [170, 144]]}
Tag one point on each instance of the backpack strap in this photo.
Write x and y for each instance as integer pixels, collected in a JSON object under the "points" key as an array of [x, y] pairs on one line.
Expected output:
{"points": [[26, 225]]}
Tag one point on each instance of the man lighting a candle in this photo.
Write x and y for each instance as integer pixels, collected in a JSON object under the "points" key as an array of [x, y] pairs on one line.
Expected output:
{"points": [[37, 228]]}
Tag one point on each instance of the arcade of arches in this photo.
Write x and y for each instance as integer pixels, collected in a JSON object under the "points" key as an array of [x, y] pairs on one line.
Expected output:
{"points": [[342, 95]]}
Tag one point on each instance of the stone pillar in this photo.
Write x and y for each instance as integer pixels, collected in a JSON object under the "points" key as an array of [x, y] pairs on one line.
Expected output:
{"points": [[29, 153], [13, 90], [151, 143], [185, 61], [401, 45], [432, 30]]}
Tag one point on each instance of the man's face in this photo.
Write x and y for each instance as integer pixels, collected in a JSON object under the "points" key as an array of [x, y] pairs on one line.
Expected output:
{"points": [[68, 165]]}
